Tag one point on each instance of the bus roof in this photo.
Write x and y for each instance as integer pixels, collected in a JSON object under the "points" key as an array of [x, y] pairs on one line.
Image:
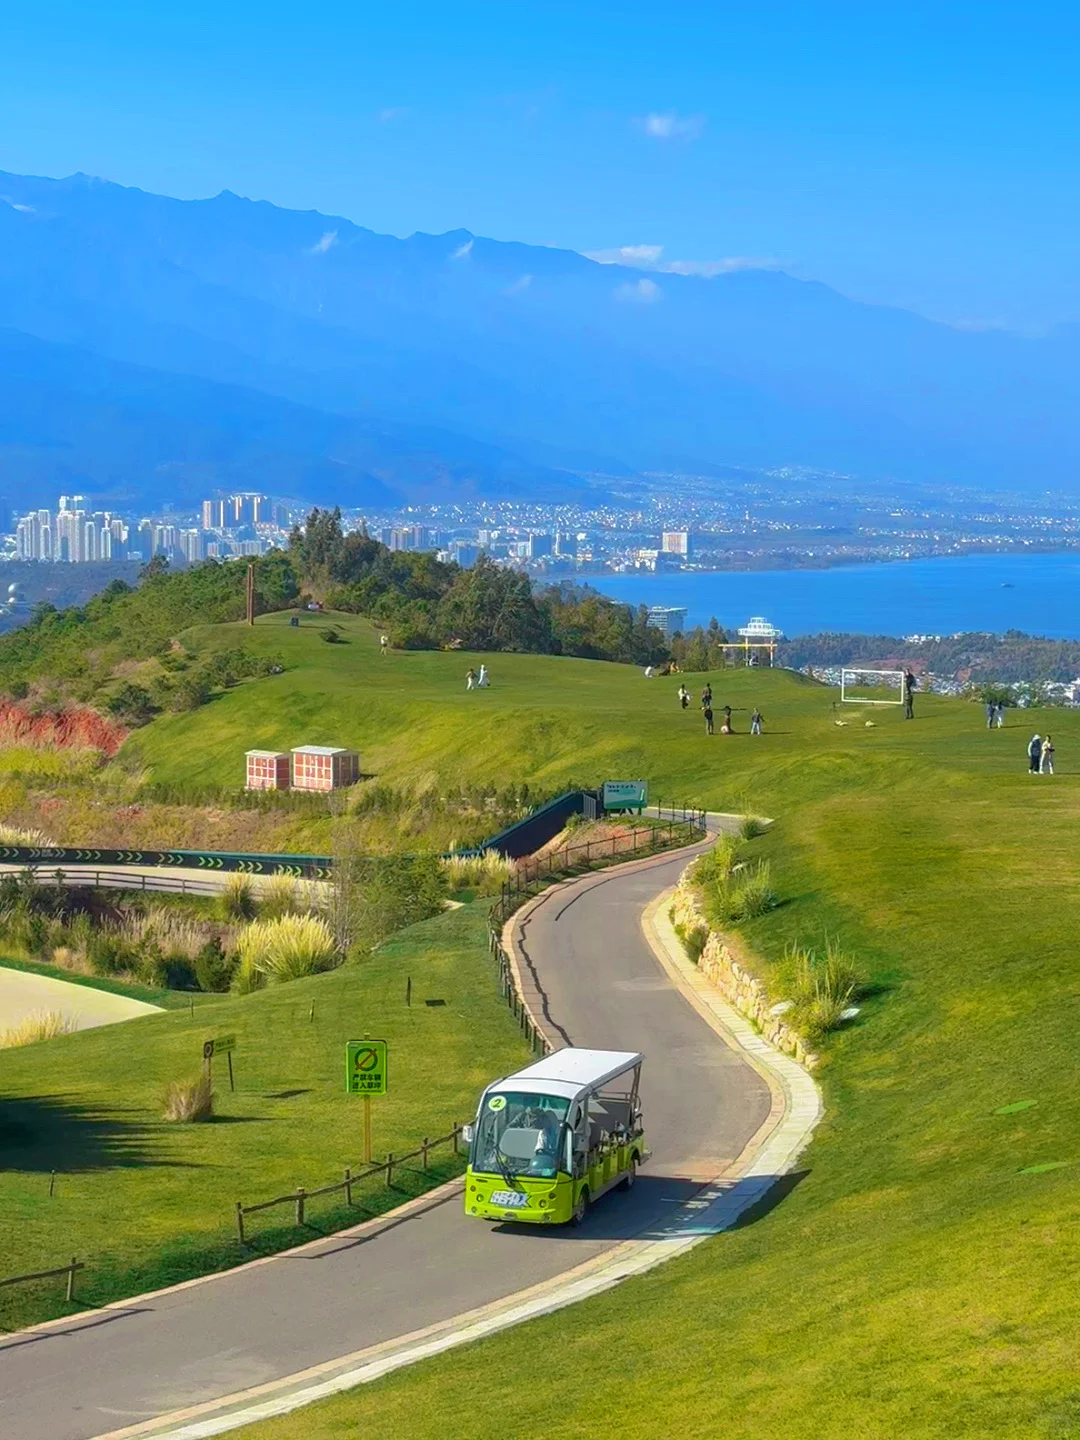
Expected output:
{"points": [[569, 1071]]}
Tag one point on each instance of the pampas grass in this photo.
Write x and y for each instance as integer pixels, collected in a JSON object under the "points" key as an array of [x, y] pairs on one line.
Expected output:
{"points": [[189, 1101], [288, 948], [45, 1025]]}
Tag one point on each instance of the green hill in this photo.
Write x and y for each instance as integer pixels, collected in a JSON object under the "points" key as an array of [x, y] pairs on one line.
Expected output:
{"points": [[920, 1279]]}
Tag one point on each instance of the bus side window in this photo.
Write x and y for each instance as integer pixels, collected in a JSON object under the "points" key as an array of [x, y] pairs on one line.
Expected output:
{"points": [[580, 1138]]}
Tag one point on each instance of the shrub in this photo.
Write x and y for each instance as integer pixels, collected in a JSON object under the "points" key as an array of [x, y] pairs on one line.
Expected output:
{"points": [[288, 948], [279, 895], [45, 1025], [693, 939], [484, 873], [189, 1101], [131, 704], [71, 960], [717, 863], [750, 827], [237, 899], [822, 988], [109, 952], [743, 894], [213, 968]]}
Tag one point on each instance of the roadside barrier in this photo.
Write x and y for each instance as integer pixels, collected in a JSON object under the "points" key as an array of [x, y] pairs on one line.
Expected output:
{"points": [[303, 867], [120, 880], [68, 1270], [682, 827], [299, 1197]]}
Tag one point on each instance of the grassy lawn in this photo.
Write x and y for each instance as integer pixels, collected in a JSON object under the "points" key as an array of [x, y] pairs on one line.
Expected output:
{"points": [[147, 1203], [921, 1279]]}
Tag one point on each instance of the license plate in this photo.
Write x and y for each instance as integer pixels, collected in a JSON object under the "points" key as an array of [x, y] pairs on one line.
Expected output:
{"points": [[509, 1199]]}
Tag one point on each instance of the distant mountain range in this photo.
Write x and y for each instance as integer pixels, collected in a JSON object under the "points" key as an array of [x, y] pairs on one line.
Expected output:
{"points": [[154, 346]]}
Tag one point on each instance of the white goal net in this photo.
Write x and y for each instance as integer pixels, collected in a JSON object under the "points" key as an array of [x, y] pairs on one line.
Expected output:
{"points": [[872, 687]]}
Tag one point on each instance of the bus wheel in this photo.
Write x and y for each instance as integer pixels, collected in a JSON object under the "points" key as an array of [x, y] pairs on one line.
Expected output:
{"points": [[582, 1205], [627, 1182]]}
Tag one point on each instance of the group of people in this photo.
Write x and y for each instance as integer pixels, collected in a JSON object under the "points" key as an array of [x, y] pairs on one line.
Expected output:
{"points": [[474, 681], [1041, 755], [995, 714], [726, 727]]}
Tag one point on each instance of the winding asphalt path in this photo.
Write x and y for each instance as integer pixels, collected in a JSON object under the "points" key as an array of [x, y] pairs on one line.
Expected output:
{"points": [[599, 984], [23, 994]]}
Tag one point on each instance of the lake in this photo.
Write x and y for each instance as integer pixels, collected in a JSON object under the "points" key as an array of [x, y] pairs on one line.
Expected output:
{"points": [[1034, 593]]}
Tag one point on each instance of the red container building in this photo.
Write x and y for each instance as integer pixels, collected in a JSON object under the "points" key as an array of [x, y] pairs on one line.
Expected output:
{"points": [[324, 767], [267, 770]]}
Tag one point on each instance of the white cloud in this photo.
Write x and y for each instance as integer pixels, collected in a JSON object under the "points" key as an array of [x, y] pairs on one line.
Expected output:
{"points": [[26, 209], [462, 250], [324, 243], [640, 292], [391, 113], [519, 285], [641, 256], [651, 257], [670, 126]]}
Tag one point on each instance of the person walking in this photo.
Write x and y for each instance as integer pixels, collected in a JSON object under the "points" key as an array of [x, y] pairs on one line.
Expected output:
{"points": [[991, 713], [1046, 759], [706, 710], [909, 696], [384, 644], [756, 722], [684, 697], [1034, 754], [1000, 721], [725, 728], [470, 679], [484, 679], [706, 695]]}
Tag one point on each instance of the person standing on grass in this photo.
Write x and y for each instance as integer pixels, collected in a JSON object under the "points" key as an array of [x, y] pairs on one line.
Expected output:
{"points": [[725, 728], [1000, 713], [756, 722], [484, 679], [706, 710], [706, 696], [991, 713], [1046, 759], [384, 644], [1034, 754], [470, 679], [684, 697], [909, 696]]}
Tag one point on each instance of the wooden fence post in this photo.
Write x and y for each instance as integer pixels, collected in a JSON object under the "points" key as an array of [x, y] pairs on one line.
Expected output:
{"points": [[71, 1279], [299, 1205], [348, 1186], [240, 1222], [390, 1171], [456, 1136], [423, 1153]]}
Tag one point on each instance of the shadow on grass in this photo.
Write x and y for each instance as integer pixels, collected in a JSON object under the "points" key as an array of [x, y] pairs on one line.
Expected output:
{"points": [[40, 1133], [779, 1191]]}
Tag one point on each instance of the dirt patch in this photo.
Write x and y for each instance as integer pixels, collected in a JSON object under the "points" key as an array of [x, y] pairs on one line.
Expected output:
{"points": [[75, 727]]}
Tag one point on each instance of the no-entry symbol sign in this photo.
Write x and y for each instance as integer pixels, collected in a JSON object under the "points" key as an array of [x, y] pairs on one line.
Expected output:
{"points": [[365, 1067]]}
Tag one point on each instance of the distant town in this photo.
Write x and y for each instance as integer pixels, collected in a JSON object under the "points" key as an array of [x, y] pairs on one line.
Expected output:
{"points": [[747, 520]]}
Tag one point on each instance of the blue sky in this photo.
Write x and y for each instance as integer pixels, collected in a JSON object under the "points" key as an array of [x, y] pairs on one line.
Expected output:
{"points": [[920, 155]]}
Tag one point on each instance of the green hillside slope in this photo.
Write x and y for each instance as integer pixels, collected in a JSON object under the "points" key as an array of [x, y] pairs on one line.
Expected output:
{"points": [[920, 1278]]}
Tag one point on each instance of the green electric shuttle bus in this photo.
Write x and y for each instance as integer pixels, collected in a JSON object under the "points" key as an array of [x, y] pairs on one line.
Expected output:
{"points": [[555, 1136]]}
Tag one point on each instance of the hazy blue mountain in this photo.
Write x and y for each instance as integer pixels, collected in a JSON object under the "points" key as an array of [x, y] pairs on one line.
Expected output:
{"points": [[74, 421], [541, 353]]}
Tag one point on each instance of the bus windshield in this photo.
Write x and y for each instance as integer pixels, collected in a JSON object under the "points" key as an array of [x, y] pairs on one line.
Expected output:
{"points": [[520, 1134]]}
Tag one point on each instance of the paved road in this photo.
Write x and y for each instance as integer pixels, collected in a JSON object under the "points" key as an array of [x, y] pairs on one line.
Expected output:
{"points": [[23, 994], [603, 987]]}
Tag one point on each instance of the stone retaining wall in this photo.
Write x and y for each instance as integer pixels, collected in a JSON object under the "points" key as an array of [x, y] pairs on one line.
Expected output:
{"points": [[738, 986]]}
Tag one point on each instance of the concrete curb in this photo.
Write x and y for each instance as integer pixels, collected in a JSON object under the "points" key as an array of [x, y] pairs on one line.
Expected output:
{"points": [[715, 1208]]}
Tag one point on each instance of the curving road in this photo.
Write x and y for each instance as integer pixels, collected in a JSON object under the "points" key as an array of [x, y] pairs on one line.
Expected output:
{"points": [[589, 966], [23, 994]]}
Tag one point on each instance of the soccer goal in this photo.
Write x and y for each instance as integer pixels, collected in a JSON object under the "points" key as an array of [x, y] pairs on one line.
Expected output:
{"points": [[872, 687]]}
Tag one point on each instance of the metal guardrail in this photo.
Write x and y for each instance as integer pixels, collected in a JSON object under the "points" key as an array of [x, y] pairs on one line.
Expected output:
{"points": [[299, 1197], [311, 867], [120, 880]]}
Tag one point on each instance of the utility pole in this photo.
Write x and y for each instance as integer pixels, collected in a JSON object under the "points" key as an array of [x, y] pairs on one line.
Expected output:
{"points": [[251, 593]]}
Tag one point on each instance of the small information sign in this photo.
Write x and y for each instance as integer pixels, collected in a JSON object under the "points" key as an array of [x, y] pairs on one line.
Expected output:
{"points": [[365, 1067], [220, 1045], [626, 794]]}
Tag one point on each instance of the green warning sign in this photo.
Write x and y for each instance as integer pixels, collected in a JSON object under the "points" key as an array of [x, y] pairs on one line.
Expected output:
{"points": [[365, 1067]]}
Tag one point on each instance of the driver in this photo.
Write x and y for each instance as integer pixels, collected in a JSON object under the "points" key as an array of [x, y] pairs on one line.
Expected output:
{"points": [[547, 1128]]}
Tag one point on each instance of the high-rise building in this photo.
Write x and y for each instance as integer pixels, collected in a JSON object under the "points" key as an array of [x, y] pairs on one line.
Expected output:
{"points": [[677, 542], [213, 514], [249, 509], [539, 545], [193, 545]]}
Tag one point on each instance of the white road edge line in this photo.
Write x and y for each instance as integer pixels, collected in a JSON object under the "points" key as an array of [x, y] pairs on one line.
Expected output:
{"points": [[713, 1210]]}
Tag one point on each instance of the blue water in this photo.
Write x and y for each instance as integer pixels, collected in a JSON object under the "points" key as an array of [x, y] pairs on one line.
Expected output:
{"points": [[1034, 593]]}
